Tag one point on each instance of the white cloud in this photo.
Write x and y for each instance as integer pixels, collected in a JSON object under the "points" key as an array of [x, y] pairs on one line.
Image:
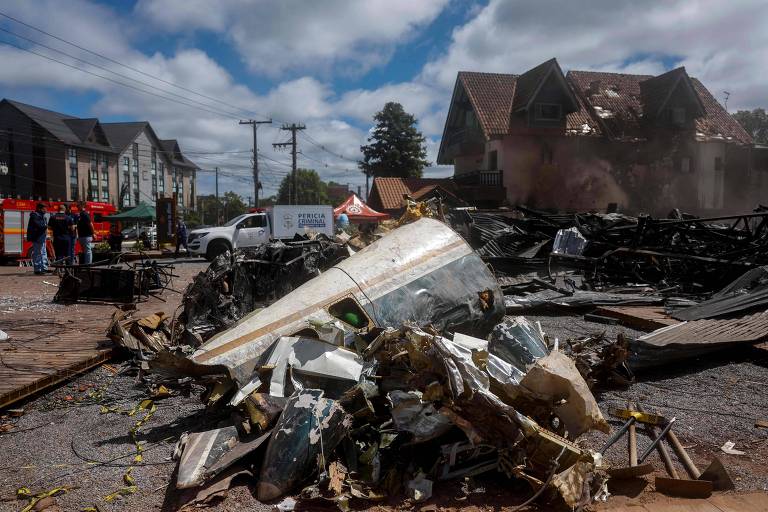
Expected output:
{"points": [[289, 35], [722, 43]]}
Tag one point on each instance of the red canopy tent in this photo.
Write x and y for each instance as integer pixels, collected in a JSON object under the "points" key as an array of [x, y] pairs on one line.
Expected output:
{"points": [[358, 211]]}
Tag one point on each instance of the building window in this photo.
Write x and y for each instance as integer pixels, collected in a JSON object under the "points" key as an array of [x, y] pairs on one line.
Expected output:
{"points": [[548, 112], [178, 183], [677, 116], [153, 170], [719, 187], [93, 188], [135, 177], [73, 181], [161, 177], [493, 160], [126, 186], [104, 178]]}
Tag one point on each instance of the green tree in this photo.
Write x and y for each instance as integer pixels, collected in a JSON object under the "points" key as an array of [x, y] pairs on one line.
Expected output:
{"points": [[312, 190], [337, 193], [755, 122], [229, 205], [396, 147]]}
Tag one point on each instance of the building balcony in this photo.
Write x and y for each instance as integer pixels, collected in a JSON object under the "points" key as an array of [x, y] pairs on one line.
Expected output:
{"points": [[484, 189]]}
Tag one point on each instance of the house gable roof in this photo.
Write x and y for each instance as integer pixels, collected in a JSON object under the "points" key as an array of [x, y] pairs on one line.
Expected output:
{"points": [[530, 83], [174, 154], [612, 104], [123, 134], [67, 129], [491, 97], [655, 92]]}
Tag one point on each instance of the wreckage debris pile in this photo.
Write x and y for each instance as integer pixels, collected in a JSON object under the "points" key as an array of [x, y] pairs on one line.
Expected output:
{"points": [[407, 409], [686, 254], [235, 285]]}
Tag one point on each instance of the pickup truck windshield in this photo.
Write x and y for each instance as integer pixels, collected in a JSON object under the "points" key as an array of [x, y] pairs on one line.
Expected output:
{"points": [[235, 220]]}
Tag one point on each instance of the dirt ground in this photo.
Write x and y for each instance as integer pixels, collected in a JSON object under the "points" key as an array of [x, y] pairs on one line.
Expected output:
{"points": [[63, 438]]}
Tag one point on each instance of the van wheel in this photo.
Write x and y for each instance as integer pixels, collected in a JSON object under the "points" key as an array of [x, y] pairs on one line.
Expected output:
{"points": [[216, 248]]}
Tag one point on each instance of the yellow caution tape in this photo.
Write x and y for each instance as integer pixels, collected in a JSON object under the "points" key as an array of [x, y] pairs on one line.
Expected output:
{"points": [[130, 482], [26, 493]]}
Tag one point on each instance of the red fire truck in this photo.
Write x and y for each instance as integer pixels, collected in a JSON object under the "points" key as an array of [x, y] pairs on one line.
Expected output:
{"points": [[14, 217]]}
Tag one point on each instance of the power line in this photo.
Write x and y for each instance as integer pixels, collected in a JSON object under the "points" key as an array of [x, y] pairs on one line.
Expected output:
{"points": [[98, 66], [113, 80], [129, 67]]}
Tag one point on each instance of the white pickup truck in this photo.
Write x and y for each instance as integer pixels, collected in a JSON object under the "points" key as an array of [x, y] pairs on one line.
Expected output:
{"points": [[251, 229]]}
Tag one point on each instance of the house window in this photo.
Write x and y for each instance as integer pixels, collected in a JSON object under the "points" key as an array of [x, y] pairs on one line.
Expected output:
{"points": [[719, 187], [153, 172], [135, 173], [718, 163], [93, 188], [685, 165], [161, 177], [180, 186], [677, 115], [126, 186], [73, 182], [493, 160], [548, 112]]}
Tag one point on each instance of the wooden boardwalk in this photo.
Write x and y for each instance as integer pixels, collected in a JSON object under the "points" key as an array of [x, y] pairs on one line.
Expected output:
{"points": [[43, 350], [748, 502]]}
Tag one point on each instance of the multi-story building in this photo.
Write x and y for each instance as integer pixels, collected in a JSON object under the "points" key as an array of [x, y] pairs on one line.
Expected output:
{"points": [[589, 140], [183, 175], [143, 164], [50, 155]]}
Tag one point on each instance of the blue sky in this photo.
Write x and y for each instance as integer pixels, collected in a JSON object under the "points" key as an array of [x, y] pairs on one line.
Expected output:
{"points": [[332, 64]]}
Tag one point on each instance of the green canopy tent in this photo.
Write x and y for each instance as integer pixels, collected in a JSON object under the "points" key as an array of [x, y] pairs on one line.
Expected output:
{"points": [[137, 214], [143, 213]]}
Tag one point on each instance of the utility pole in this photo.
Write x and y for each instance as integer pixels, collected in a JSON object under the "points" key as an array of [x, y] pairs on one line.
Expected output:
{"points": [[255, 124], [217, 195], [293, 128]]}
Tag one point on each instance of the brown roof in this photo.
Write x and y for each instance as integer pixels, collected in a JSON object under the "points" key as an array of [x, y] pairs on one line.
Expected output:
{"points": [[614, 98], [492, 94], [717, 123], [609, 103], [387, 193], [491, 97]]}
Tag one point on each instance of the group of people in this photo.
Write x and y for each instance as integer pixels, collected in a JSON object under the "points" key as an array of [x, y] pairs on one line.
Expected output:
{"points": [[67, 229]]}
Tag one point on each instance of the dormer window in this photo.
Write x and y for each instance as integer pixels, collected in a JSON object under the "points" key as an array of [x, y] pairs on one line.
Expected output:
{"points": [[676, 116], [548, 112]]}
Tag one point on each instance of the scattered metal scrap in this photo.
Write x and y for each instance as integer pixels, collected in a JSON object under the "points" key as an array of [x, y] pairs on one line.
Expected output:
{"points": [[376, 355], [120, 283], [236, 285]]}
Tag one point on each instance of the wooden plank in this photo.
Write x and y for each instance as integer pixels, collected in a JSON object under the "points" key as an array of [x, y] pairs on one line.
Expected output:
{"points": [[643, 318], [753, 502]]}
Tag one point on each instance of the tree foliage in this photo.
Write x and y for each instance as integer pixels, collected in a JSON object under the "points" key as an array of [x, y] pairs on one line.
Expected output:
{"points": [[755, 122], [230, 205], [396, 147], [312, 190], [335, 194]]}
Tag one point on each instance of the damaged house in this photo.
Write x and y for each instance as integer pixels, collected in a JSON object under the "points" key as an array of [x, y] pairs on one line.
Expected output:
{"points": [[588, 140]]}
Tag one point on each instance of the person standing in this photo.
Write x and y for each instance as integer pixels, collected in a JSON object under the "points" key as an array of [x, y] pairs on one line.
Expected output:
{"points": [[61, 225], [85, 233], [181, 237], [37, 232], [73, 234]]}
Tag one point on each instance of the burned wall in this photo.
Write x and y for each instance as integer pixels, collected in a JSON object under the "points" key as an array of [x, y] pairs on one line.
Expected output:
{"points": [[588, 173]]}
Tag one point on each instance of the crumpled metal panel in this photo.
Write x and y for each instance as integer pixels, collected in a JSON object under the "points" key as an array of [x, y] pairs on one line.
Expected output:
{"points": [[422, 272]]}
